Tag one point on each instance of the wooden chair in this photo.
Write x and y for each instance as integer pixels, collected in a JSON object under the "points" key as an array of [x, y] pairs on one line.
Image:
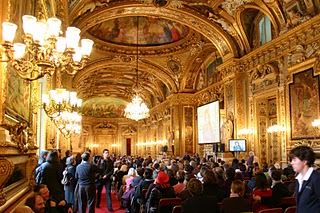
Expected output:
{"points": [[291, 209], [286, 202], [143, 200], [272, 210], [176, 209], [166, 204]]}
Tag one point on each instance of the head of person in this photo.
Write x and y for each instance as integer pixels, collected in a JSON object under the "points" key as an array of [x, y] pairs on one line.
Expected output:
{"points": [[302, 156], [170, 173], [106, 153], [85, 156], [181, 176], [70, 161], [148, 173], [230, 173], [195, 186], [96, 159], [140, 171], [276, 175], [261, 181], [251, 153], [132, 172], [23, 209], [53, 157], [124, 168], [42, 190], [162, 178], [43, 154], [68, 153], [36, 203], [237, 187], [209, 177]]}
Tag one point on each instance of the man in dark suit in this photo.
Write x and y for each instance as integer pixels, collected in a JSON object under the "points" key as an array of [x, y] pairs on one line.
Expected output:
{"points": [[105, 179], [307, 190], [85, 192]]}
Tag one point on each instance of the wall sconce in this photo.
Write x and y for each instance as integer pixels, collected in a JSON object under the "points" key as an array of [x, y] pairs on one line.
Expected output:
{"points": [[244, 132], [161, 142], [316, 124], [276, 129]]}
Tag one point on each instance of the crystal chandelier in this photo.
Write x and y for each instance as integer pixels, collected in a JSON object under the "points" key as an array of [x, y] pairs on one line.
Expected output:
{"points": [[68, 123], [60, 101], [43, 51], [136, 109]]}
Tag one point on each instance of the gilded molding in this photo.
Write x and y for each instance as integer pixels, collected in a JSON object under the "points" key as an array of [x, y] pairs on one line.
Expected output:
{"points": [[6, 170]]}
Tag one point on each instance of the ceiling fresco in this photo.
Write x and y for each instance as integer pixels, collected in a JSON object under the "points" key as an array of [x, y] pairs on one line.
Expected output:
{"points": [[104, 107], [151, 31]]}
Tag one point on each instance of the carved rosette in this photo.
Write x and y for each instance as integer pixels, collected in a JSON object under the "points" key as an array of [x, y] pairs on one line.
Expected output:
{"points": [[6, 170], [30, 167]]}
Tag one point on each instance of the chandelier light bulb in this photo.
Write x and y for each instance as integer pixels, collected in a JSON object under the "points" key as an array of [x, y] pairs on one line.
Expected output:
{"points": [[8, 31], [39, 32], [29, 24], [86, 46], [54, 26], [19, 50]]}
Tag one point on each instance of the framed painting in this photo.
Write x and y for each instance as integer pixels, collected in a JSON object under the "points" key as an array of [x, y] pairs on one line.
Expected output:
{"points": [[17, 104], [304, 105]]}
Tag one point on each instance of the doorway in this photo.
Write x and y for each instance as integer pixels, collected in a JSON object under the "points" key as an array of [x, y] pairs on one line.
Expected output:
{"points": [[128, 146]]}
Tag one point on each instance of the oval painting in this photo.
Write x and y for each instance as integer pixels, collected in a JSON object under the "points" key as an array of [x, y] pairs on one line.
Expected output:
{"points": [[151, 31]]}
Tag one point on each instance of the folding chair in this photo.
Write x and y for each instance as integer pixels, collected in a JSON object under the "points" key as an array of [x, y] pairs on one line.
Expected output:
{"points": [[272, 210], [176, 209], [166, 204], [291, 209]]}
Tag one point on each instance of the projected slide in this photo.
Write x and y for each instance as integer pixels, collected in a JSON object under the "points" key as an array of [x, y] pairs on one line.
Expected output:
{"points": [[209, 123]]}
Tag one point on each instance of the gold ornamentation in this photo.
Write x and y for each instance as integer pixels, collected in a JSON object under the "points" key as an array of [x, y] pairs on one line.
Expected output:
{"points": [[6, 170]]}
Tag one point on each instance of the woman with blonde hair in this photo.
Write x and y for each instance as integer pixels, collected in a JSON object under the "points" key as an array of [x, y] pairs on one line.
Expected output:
{"points": [[236, 203]]}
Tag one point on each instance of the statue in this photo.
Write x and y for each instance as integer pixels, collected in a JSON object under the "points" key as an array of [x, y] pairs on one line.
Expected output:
{"points": [[227, 129]]}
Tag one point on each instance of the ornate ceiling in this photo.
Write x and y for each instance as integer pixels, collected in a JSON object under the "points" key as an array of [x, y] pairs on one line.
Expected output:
{"points": [[175, 40]]}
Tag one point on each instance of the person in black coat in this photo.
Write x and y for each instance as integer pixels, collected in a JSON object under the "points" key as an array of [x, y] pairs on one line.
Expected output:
{"points": [[69, 188], [51, 175], [210, 186], [199, 203], [105, 179]]}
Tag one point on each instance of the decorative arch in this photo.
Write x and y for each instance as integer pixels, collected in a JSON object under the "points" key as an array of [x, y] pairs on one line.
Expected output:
{"points": [[213, 32]]}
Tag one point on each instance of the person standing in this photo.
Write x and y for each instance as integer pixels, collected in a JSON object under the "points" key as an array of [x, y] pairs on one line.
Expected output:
{"points": [[105, 179], [307, 192], [85, 192]]}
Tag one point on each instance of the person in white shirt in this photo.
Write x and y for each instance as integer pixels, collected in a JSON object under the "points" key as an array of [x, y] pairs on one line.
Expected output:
{"points": [[307, 190]]}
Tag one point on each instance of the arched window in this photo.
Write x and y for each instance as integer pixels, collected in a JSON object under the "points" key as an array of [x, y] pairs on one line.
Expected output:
{"points": [[265, 30]]}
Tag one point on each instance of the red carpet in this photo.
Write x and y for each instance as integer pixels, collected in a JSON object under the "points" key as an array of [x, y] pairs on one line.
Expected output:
{"points": [[115, 203]]}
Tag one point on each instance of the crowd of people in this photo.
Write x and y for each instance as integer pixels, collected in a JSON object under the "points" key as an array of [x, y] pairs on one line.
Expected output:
{"points": [[202, 185]]}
